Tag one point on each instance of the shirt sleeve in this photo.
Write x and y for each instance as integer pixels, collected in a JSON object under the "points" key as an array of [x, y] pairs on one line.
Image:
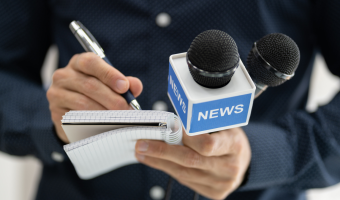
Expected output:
{"points": [[25, 121], [301, 150]]}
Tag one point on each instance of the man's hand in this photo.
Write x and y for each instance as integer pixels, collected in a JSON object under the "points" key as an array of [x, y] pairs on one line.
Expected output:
{"points": [[88, 83], [211, 164]]}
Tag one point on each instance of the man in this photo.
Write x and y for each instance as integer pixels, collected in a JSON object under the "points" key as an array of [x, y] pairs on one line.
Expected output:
{"points": [[285, 149]]}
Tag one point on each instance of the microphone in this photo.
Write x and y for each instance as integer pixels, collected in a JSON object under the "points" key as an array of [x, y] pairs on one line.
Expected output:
{"points": [[213, 58], [272, 61], [209, 86]]}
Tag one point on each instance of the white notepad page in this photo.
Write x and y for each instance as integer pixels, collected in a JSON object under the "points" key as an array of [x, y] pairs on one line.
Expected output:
{"points": [[108, 151], [100, 152]]}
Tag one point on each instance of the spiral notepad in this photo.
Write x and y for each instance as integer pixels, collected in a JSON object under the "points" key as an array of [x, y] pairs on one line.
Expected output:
{"points": [[105, 140]]}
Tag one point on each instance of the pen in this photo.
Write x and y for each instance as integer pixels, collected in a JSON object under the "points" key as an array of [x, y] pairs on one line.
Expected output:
{"points": [[90, 44]]}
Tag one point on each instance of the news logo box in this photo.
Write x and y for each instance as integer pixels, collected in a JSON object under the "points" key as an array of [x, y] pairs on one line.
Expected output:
{"points": [[204, 110]]}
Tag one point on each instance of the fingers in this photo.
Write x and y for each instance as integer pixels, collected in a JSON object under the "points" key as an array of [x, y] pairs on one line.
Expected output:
{"points": [[93, 65], [94, 89], [136, 86], [88, 83], [74, 101], [186, 157], [207, 184], [216, 144], [175, 153], [100, 81], [212, 164], [224, 166], [178, 171]]}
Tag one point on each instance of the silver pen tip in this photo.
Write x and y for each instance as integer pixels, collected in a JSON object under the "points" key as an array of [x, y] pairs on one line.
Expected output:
{"points": [[135, 105]]}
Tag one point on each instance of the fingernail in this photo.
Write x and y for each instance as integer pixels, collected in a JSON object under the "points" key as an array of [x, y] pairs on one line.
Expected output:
{"points": [[121, 85], [140, 157], [142, 146]]}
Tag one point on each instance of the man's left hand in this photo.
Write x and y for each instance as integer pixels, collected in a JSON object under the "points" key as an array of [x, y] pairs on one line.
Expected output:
{"points": [[213, 165]]}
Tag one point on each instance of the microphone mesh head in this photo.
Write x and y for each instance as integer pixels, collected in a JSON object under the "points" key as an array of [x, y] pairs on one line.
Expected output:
{"points": [[213, 51], [280, 51]]}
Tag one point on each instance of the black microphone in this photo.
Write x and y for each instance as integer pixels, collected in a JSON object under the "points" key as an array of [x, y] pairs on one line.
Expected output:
{"points": [[213, 58], [272, 61]]}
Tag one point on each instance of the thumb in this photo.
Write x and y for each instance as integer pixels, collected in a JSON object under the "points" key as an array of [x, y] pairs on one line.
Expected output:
{"points": [[136, 86]]}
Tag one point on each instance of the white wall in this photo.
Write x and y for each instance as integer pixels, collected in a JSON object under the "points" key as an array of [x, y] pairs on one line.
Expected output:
{"points": [[19, 176]]}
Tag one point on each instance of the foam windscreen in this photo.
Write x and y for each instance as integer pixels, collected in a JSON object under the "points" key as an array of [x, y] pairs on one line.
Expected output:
{"points": [[280, 51], [213, 51]]}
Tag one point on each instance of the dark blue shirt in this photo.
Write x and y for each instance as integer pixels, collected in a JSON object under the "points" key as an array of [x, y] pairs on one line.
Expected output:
{"points": [[292, 150]]}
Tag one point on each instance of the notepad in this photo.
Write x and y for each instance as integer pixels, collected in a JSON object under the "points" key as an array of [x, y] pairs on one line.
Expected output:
{"points": [[102, 141]]}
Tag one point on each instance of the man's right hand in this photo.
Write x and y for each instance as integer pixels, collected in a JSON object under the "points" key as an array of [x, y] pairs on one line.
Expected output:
{"points": [[88, 83]]}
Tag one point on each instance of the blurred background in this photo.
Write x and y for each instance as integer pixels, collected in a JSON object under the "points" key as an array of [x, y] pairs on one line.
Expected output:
{"points": [[19, 176]]}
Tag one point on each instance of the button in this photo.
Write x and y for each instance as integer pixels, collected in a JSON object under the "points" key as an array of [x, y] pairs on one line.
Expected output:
{"points": [[160, 105], [163, 19], [157, 192], [58, 157]]}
